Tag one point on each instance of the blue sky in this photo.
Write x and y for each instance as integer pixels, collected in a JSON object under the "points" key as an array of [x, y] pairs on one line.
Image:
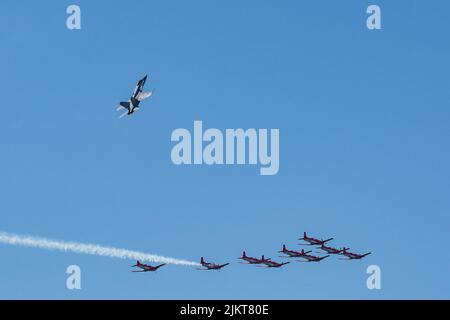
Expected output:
{"points": [[364, 127]]}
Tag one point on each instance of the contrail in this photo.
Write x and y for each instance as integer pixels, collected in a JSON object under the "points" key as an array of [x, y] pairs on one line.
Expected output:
{"points": [[93, 249]]}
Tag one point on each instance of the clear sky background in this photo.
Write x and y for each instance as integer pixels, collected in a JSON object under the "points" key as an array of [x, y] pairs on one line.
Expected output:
{"points": [[364, 137]]}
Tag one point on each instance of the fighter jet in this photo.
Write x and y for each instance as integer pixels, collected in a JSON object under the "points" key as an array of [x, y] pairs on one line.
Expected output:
{"points": [[146, 267], [132, 105]]}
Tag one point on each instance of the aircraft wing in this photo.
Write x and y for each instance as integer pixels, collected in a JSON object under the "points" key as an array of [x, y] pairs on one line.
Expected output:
{"points": [[144, 95]]}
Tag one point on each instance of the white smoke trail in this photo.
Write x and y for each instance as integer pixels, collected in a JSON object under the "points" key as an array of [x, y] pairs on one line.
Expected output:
{"points": [[93, 249]]}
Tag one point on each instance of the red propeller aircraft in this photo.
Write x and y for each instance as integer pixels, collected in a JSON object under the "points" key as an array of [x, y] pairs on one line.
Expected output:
{"points": [[211, 266], [332, 250], [251, 260], [313, 241], [272, 264], [353, 256], [292, 253], [146, 267], [311, 258]]}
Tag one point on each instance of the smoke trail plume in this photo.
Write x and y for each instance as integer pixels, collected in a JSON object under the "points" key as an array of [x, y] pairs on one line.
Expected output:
{"points": [[92, 249]]}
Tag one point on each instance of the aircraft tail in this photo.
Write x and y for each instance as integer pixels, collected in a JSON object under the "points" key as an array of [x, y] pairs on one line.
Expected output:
{"points": [[137, 264], [244, 255], [202, 261], [284, 247]]}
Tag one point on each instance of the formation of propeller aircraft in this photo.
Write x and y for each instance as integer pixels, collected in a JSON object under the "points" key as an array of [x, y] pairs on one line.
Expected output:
{"points": [[305, 256], [132, 106]]}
